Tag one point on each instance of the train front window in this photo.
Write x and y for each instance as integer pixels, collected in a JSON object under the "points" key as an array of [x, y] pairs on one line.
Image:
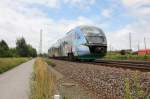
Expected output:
{"points": [[93, 34], [95, 39]]}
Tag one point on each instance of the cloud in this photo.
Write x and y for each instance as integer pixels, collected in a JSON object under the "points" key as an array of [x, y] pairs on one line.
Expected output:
{"points": [[19, 18], [106, 13], [137, 7], [82, 4], [14, 24], [49, 3], [136, 3], [139, 30]]}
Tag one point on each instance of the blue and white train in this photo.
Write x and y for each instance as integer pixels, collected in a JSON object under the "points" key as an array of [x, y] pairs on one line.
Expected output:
{"points": [[82, 42]]}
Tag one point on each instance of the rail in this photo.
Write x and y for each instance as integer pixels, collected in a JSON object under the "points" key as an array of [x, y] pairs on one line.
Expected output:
{"points": [[126, 64], [139, 65]]}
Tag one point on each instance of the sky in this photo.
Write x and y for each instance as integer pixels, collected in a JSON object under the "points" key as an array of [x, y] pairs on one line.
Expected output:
{"points": [[117, 18]]}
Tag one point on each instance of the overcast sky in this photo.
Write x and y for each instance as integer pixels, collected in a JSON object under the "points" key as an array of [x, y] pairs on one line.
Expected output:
{"points": [[25, 18]]}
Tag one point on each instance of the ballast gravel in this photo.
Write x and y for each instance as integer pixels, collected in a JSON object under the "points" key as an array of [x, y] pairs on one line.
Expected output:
{"points": [[105, 82]]}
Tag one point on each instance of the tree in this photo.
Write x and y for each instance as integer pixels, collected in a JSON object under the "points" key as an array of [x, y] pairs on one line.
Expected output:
{"points": [[13, 52], [123, 52], [25, 50], [22, 48], [32, 51], [4, 49]]}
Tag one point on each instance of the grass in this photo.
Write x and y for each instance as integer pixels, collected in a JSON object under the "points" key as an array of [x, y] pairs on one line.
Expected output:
{"points": [[9, 63], [42, 82], [50, 63], [114, 56]]}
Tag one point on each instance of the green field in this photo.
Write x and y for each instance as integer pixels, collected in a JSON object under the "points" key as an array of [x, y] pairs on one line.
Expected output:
{"points": [[115, 56], [9, 63]]}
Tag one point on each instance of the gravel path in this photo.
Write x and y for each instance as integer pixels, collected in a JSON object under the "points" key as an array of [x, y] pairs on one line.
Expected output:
{"points": [[14, 84]]}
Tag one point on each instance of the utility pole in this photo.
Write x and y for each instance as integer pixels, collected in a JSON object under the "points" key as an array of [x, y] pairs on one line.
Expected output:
{"points": [[138, 46], [110, 47], [130, 42], [145, 44], [40, 46]]}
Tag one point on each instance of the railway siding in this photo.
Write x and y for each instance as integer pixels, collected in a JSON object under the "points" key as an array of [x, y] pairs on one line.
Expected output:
{"points": [[104, 82]]}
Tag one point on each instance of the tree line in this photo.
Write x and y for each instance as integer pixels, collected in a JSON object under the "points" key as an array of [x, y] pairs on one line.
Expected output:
{"points": [[22, 49]]}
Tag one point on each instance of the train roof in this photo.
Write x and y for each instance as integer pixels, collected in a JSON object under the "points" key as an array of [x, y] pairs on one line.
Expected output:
{"points": [[87, 28]]}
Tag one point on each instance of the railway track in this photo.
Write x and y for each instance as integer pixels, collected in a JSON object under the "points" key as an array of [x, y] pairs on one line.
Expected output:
{"points": [[126, 64], [136, 65]]}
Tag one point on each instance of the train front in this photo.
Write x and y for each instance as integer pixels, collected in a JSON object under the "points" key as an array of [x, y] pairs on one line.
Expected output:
{"points": [[96, 41]]}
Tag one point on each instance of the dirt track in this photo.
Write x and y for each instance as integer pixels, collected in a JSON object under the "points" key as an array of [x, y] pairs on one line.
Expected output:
{"points": [[14, 84]]}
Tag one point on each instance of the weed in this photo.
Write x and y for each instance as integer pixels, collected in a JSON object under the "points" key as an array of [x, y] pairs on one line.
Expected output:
{"points": [[136, 92], [127, 89]]}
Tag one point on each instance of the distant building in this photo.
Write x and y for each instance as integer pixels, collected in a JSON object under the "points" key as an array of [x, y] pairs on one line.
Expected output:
{"points": [[143, 52]]}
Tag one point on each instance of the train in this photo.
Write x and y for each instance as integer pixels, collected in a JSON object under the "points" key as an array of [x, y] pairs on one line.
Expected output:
{"points": [[80, 43]]}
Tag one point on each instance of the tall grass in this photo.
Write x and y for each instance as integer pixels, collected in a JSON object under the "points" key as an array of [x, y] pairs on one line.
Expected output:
{"points": [[9, 63], [50, 63], [42, 82], [127, 89], [133, 90]]}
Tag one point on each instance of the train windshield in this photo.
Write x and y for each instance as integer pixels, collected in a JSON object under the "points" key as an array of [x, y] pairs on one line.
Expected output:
{"points": [[93, 35], [95, 39]]}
